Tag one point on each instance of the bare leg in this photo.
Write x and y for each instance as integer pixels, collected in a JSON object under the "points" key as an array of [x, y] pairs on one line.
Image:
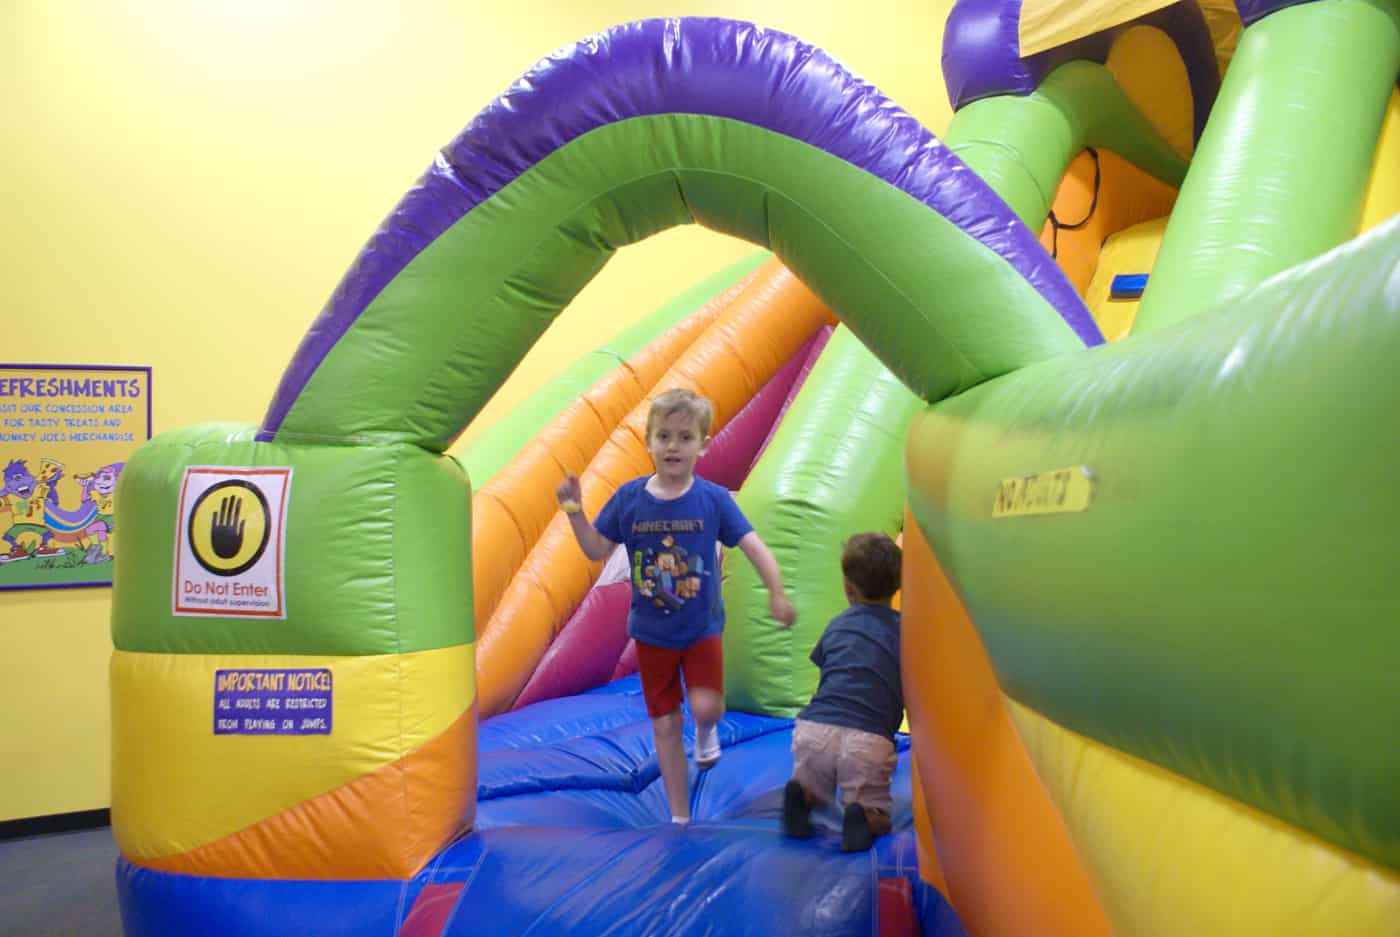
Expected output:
{"points": [[670, 758], [707, 707]]}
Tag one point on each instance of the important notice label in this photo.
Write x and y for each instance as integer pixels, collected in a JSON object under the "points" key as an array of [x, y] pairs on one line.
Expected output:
{"points": [[1057, 491], [272, 702]]}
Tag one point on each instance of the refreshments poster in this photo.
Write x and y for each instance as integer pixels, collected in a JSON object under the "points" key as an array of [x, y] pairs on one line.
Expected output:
{"points": [[66, 432]]}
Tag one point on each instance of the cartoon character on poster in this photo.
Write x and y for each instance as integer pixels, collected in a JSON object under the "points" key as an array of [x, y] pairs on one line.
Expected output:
{"points": [[100, 488], [39, 527], [25, 496]]}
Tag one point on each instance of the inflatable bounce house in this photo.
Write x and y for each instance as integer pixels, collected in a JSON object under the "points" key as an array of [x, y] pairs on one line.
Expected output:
{"points": [[1110, 357]]}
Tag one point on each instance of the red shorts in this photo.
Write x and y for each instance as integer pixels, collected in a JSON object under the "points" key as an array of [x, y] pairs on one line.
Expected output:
{"points": [[661, 668]]}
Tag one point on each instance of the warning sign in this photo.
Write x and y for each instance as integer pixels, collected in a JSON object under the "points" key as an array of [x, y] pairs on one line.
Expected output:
{"points": [[273, 702], [229, 543]]}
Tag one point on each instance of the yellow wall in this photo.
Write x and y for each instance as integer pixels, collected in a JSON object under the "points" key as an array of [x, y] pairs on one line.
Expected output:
{"points": [[185, 181]]}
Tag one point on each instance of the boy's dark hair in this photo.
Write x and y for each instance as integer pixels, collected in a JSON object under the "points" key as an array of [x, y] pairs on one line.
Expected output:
{"points": [[871, 561]]}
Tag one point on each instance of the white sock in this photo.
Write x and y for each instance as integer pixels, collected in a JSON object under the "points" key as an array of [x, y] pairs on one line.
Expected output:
{"points": [[680, 820], [705, 737]]}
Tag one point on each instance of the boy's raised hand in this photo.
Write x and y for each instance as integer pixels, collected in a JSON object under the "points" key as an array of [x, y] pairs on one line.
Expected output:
{"points": [[782, 609], [570, 492]]}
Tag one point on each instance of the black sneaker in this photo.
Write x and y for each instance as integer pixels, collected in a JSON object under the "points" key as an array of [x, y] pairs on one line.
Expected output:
{"points": [[797, 814], [855, 830]]}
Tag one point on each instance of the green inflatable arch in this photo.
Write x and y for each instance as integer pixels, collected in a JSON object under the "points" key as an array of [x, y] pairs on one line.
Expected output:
{"points": [[915, 253]]}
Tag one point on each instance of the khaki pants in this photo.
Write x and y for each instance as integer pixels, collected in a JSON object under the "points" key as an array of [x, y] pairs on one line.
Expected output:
{"points": [[860, 763]]}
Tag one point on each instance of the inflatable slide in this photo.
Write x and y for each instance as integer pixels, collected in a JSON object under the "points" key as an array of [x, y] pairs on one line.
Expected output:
{"points": [[1111, 357]]}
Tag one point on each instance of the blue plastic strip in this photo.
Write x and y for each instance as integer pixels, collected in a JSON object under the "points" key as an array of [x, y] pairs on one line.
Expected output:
{"points": [[1127, 286], [163, 904]]}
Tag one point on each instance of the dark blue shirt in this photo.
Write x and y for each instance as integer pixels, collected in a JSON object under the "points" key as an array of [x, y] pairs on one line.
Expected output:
{"points": [[671, 546], [860, 686]]}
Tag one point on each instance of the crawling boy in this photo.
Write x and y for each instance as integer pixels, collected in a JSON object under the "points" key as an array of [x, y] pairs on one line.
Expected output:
{"points": [[845, 736]]}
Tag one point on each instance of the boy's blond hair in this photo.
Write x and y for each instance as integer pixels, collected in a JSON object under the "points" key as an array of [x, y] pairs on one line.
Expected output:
{"points": [[680, 400], [872, 562]]}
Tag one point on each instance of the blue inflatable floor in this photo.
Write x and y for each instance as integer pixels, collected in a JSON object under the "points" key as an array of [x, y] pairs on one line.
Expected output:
{"points": [[573, 837]]}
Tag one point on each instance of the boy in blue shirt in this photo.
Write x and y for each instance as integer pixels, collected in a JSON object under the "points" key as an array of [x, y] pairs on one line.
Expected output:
{"points": [[845, 735], [671, 522]]}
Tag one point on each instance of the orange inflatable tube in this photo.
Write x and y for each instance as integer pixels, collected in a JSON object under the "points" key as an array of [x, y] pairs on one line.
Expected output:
{"points": [[511, 510], [1010, 866], [381, 825], [751, 339], [1126, 196]]}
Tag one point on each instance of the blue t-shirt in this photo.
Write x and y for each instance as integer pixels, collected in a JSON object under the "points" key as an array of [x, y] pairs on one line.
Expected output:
{"points": [[671, 545], [860, 685]]}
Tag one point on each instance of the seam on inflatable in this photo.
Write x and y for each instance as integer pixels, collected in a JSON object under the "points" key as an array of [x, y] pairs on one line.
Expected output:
{"points": [[399, 689]]}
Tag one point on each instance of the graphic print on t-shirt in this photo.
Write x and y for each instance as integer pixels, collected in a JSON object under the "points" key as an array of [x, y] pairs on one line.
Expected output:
{"points": [[672, 558], [668, 574]]}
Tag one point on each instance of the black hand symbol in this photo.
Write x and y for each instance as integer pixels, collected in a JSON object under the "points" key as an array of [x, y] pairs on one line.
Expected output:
{"points": [[225, 528]]}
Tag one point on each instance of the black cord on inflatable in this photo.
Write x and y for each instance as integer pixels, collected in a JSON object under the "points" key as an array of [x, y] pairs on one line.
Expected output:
{"points": [[1056, 225]]}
